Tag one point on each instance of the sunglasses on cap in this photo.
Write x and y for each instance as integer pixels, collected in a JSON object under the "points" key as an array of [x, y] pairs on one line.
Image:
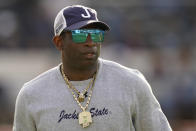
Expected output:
{"points": [[80, 36]]}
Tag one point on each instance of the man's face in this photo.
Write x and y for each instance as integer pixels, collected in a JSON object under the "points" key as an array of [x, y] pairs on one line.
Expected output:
{"points": [[80, 55]]}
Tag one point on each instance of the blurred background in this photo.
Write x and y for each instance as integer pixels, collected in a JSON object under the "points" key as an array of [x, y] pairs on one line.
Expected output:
{"points": [[158, 37]]}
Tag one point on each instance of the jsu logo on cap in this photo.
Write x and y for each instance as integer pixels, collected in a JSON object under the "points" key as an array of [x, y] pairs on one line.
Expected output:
{"points": [[87, 12]]}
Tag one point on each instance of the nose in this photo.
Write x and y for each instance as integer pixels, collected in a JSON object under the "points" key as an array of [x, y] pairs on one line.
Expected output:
{"points": [[89, 41]]}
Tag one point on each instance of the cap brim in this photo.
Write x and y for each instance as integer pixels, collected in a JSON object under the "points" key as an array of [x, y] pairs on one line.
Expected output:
{"points": [[98, 24]]}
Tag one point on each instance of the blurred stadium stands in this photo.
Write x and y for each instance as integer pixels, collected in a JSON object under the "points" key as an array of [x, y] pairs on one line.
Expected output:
{"points": [[158, 37]]}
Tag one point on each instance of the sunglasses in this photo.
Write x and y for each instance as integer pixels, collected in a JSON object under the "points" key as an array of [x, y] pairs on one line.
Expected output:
{"points": [[80, 36]]}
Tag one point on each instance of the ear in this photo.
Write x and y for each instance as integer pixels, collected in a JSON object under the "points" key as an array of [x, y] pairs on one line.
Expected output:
{"points": [[58, 42]]}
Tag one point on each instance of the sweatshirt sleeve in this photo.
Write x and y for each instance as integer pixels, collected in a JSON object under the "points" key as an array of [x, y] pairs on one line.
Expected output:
{"points": [[22, 117], [148, 115]]}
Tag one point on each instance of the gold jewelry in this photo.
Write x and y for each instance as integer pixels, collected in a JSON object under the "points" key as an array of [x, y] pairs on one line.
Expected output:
{"points": [[80, 95], [85, 118]]}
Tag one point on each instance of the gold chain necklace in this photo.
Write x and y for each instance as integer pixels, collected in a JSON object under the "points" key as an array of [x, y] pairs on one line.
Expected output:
{"points": [[80, 95], [85, 118]]}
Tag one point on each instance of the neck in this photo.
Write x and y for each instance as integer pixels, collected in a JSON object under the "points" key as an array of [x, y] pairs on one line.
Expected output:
{"points": [[74, 74]]}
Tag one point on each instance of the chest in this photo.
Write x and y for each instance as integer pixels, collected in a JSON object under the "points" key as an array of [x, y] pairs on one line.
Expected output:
{"points": [[110, 108]]}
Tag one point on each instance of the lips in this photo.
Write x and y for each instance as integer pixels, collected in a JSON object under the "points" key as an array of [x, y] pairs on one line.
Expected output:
{"points": [[89, 54], [89, 50]]}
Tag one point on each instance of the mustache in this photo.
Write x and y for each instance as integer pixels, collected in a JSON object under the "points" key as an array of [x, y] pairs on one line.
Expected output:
{"points": [[90, 50]]}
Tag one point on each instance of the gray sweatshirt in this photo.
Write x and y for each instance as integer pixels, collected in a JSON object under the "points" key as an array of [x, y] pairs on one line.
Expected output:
{"points": [[122, 100]]}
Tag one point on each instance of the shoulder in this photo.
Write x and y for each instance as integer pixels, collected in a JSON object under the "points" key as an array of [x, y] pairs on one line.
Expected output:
{"points": [[128, 77], [120, 70], [40, 82]]}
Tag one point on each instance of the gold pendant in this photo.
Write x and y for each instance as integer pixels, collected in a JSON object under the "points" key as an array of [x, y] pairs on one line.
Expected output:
{"points": [[85, 119], [81, 98]]}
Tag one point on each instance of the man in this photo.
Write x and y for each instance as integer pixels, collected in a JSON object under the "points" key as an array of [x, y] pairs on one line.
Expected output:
{"points": [[86, 93]]}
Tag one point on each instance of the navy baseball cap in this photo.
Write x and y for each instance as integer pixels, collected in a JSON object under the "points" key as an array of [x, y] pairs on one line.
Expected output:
{"points": [[75, 17]]}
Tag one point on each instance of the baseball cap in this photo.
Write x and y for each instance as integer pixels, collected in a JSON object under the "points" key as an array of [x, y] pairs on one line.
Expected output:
{"points": [[75, 17]]}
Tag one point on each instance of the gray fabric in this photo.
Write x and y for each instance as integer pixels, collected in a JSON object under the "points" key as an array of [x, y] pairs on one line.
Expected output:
{"points": [[122, 100]]}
